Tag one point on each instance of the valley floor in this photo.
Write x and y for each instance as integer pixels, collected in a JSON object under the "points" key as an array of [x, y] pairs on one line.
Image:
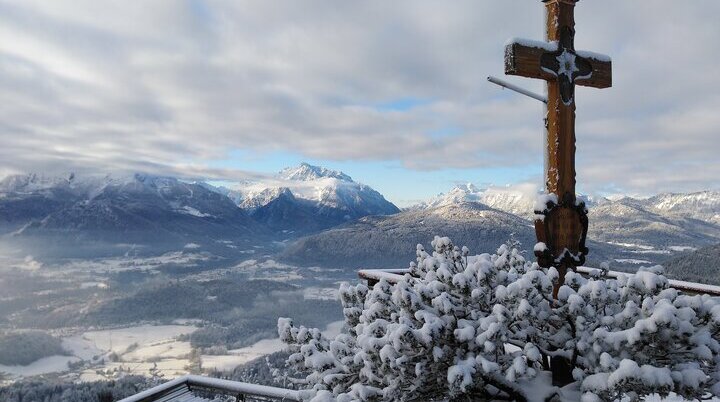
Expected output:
{"points": [[163, 316]]}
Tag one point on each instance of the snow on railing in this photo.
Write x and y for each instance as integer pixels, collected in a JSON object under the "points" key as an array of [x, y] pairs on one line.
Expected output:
{"points": [[394, 275], [196, 382]]}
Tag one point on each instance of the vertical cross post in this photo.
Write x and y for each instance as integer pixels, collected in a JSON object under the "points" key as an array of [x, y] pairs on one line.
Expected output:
{"points": [[561, 224]]}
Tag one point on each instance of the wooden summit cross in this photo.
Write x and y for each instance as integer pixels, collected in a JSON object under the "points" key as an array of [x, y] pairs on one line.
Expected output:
{"points": [[562, 225]]}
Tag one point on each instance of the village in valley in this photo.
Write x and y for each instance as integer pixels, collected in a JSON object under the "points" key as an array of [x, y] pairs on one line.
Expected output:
{"points": [[182, 267]]}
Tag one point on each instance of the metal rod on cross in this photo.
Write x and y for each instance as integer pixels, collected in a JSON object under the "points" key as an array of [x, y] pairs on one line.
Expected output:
{"points": [[562, 229], [512, 87]]}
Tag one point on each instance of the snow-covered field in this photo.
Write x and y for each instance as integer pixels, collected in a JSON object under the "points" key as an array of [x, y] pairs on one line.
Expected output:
{"points": [[140, 349], [119, 340], [632, 261], [318, 293], [254, 269], [50, 364], [137, 350]]}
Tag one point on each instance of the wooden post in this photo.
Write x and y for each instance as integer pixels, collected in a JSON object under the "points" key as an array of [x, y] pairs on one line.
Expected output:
{"points": [[561, 227]]}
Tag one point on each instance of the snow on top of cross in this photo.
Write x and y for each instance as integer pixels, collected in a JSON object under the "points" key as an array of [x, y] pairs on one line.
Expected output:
{"points": [[547, 46], [592, 55], [553, 47]]}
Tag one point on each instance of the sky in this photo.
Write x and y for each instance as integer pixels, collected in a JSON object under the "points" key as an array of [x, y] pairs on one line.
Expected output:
{"points": [[392, 93]]}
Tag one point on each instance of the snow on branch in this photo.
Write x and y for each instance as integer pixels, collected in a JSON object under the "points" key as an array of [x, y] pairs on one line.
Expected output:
{"points": [[484, 327]]}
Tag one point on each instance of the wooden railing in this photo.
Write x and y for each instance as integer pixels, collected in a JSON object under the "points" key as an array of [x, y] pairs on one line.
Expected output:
{"points": [[372, 276], [181, 389]]}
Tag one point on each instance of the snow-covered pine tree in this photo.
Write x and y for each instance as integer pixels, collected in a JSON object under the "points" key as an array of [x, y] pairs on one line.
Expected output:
{"points": [[461, 327]]}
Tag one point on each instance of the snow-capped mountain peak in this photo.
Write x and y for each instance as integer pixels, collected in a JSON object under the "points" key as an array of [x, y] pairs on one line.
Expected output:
{"points": [[307, 172], [458, 194], [34, 182], [331, 196], [518, 199], [252, 200]]}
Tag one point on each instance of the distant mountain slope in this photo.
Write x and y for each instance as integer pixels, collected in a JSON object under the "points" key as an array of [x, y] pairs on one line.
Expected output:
{"points": [[307, 198], [390, 241], [285, 213], [704, 205], [627, 232], [702, 266], [139, 209], [629, 221]]}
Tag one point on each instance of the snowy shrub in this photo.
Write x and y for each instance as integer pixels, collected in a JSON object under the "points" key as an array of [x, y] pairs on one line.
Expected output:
{"points": [[466, 328]]}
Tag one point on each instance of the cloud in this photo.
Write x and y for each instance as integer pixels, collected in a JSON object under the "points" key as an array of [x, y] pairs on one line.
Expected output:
{"points": [[170, 87]]}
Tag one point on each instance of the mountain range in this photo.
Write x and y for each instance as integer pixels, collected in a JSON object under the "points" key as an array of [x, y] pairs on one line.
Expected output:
{"points": [[312, 215], [71, 214], [626, 232], [74, 215], [390, 241]]}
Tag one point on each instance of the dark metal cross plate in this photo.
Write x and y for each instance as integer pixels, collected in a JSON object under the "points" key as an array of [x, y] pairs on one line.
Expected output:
{"points": [[566, 65]]}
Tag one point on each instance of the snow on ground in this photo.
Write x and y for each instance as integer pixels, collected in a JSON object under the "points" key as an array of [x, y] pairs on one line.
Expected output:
{"points": [[236, 357], [652, 251], [268, 269], [118, 340], [81, 348], [105, 266], [194, 212], [142, 348], [253, 269], [159, 350], [632, 261], [631, 245], [317, 293], [682, 248], [137, 347], [99, 285], [168, 368], [644, 249], [50, 364]]}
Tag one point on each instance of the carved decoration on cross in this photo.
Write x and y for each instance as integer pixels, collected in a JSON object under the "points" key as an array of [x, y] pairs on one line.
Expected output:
{"points": [[566, 65], [562, 223]]}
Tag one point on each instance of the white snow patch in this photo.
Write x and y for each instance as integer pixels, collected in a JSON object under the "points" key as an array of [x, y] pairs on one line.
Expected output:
{"points": [[592, 55], [118, 340], [50, 364], [682, 248], [632, 261], [194, 212], [631, 245], [318, 293], [547, 46]]}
